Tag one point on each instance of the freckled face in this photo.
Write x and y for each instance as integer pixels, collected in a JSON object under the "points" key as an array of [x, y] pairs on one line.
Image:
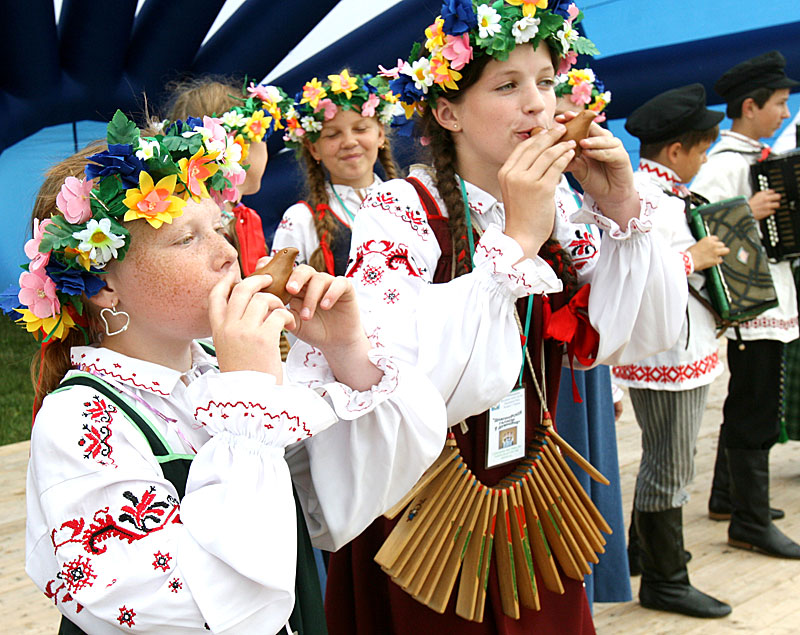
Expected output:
{"points": [[165, 279]]}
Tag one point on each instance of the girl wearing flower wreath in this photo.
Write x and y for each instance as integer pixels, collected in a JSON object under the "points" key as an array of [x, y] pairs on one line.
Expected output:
{"points": [[458, 265], [171, 489], [337, 129], [241, 116]]}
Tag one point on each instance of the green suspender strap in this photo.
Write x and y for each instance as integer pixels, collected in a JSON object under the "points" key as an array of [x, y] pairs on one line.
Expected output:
{"points": [[308, 616], [174, 466]]}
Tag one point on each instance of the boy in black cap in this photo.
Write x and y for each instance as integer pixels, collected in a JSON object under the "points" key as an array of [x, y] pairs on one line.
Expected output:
{"points": [[756, 92], [669, 390]]}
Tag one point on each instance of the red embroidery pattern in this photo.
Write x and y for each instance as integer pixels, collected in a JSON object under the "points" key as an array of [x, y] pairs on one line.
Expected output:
{"points": [[371, 275], [394, 256], [494, 254], [77, 574], [95, 369], [770, 323], [582, 249], [359, 401], [381, 200], [391, 296], [688, 263], [668, 374], [140, 519], [414, 218], [96, 440], [52, 593], [220, 408], [161, 561], [126, 616], [285, 223], [175, 585]]}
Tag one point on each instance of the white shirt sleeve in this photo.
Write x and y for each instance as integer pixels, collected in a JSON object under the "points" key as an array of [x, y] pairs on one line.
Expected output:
{"points": [[296, 229], [387, 436], [111, 544], [452, 332]]}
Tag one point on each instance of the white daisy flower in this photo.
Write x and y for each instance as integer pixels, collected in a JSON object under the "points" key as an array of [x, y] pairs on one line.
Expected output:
{"points": [[525, 29], [99, 241], [488, 21]]}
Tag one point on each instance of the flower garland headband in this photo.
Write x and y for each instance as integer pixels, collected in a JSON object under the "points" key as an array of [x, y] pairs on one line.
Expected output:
{"points": [[585, 89], [148, 178], [467, 29], [319, 102]]}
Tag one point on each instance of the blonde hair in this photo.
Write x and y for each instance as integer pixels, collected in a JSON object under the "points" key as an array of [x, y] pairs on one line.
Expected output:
{"points": [[317, 197], [207, 95]]}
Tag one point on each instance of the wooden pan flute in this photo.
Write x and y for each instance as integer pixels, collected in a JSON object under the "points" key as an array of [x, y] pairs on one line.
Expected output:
{"points": [[452, 526]]}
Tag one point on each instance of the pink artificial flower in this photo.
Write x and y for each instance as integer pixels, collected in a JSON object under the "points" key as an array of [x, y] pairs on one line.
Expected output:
{"points": [[567, 62], [368, 109], [260, 91], [38, 259], [424, 141], [391, 73], [73, 200], [38, 293], [214, 127], [572, 12], [581, 93], [600, 118], [457, 50], [328, 106]]}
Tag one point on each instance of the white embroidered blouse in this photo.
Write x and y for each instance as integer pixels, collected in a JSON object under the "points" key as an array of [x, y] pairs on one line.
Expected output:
{"points": [[693, 361], [110, 544], [463, 334], [297, 229]]}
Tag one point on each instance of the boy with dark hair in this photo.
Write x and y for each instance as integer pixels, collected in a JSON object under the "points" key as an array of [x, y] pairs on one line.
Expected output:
{"points": [[756, 92], [669, 390]]}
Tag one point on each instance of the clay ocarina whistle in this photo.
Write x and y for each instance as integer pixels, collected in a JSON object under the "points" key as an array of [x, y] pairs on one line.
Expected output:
{"points": [[280, 268]]}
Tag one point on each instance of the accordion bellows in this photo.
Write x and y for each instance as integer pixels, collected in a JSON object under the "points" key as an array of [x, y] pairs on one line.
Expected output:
{"points": [[741, 287]]}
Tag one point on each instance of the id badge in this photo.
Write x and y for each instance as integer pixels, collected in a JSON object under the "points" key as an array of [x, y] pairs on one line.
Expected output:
{"points": [[506, 430]]}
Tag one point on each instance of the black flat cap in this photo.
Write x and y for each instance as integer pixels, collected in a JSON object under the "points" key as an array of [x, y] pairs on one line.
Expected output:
{"points": [[762, 71], [672, 113]]}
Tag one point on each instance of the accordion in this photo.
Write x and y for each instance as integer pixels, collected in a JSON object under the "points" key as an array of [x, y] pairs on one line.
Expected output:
{"points": [[741, 287], [781, 231]]}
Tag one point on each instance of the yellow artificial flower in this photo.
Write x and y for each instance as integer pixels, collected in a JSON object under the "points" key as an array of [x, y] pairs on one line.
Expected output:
{"points": [[391, 97], [239, 139], [313, 92], [195, 171], [83, 256], [435, 35], [155, 203], [343, 83], [57, 326], [529, 6], [580, 75], [443, 74], [257, 125]]}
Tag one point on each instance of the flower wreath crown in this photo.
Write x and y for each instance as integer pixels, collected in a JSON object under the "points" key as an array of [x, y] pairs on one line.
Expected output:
{"points": [[584, 89], [149, 178], [466, 29], [319, 102]]}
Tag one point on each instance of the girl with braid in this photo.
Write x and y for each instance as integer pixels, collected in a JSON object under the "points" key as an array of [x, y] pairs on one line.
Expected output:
{"points": [[337, 129], [461, 267]]}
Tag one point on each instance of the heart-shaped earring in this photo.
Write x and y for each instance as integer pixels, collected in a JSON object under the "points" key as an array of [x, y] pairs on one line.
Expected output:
{"points": [[114, 313]]}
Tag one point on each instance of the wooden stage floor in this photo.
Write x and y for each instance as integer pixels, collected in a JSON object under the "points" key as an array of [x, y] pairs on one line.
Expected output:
{"points": [[762, 590]]}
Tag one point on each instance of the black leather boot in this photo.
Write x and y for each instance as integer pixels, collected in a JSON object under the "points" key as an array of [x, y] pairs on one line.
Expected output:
{"points": [[634, 566], [751, 526], [665, 581], [719, 503]]}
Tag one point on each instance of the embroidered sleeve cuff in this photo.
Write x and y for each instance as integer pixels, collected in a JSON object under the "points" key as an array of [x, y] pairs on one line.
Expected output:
{"points": [[648, 203], [688, 262], [501, 256], [250, 404]]}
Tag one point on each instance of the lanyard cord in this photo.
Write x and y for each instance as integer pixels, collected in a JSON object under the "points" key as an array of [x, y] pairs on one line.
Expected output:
{"points": [[523, 331], [350, 216]]}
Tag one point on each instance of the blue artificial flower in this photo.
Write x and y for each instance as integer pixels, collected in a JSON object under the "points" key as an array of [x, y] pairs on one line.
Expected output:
{"points": [[405, 87], [9, 301], [193, 122], [458, 17], [118, 159], [559, 7], [370, 88], [74, 281], [599, 85], [404, 127]]}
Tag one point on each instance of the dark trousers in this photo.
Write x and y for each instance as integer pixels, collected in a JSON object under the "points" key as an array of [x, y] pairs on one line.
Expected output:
{"points": [[751, 410]]}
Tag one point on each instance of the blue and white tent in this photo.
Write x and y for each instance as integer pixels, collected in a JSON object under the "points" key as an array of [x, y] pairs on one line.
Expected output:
{"points": [[68, 65]]}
